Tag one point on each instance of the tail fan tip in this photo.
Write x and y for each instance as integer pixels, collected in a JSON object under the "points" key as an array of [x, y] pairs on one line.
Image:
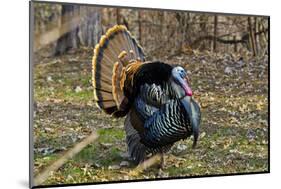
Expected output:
{"points": [[107, 67]]}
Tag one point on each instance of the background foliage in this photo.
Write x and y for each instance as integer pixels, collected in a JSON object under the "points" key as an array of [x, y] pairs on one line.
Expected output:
{"points": [[226, 54]]}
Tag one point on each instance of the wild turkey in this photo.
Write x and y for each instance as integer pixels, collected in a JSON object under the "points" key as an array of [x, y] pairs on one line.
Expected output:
{"points": [[155, 97]]}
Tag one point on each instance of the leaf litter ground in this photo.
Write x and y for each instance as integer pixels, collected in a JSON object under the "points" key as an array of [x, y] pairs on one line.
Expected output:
{"points": [[234, 129]]}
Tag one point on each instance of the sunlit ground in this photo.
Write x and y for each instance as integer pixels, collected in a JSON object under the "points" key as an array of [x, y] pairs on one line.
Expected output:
{"points": [[234, 128]]}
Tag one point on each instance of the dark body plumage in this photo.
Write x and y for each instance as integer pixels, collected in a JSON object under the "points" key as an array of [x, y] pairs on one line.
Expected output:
{"points": [[157, 114], [156, 73], [162, 116]]}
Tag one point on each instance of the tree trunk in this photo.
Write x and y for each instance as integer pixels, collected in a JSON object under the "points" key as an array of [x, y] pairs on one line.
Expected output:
{"points": [[89, 28], [86, 33], [118, 16], [252, 37], [67, 40], [256, 30], [263, 38], [140, 25], [235, 44], [215, 33], [203, 20]]}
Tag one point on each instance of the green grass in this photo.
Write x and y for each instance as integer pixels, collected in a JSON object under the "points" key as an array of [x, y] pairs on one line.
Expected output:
{"points": [[232, 107], [111, 135]]}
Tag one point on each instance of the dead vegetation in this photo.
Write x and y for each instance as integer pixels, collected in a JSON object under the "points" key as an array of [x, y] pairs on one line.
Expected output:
{"points": [[233, 95], [227, 56]]}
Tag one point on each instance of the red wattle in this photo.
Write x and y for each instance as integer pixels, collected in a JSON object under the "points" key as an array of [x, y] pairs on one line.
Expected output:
{"points": [[188, 91]]}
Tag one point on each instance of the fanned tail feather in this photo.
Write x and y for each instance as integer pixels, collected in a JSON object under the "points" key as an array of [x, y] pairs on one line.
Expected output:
{"points": [[115, 50]]}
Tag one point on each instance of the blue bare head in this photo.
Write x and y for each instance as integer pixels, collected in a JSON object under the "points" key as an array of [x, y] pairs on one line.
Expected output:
{"points": [[181, 86]]}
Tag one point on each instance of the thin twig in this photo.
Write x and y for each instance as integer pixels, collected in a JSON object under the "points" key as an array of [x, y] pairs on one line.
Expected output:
{"points": [[41, 177], [145, 165]]}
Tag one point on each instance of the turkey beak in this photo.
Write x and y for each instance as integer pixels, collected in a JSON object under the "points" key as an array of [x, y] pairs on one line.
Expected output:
{"points": [[187, 79], [192, 114]]}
